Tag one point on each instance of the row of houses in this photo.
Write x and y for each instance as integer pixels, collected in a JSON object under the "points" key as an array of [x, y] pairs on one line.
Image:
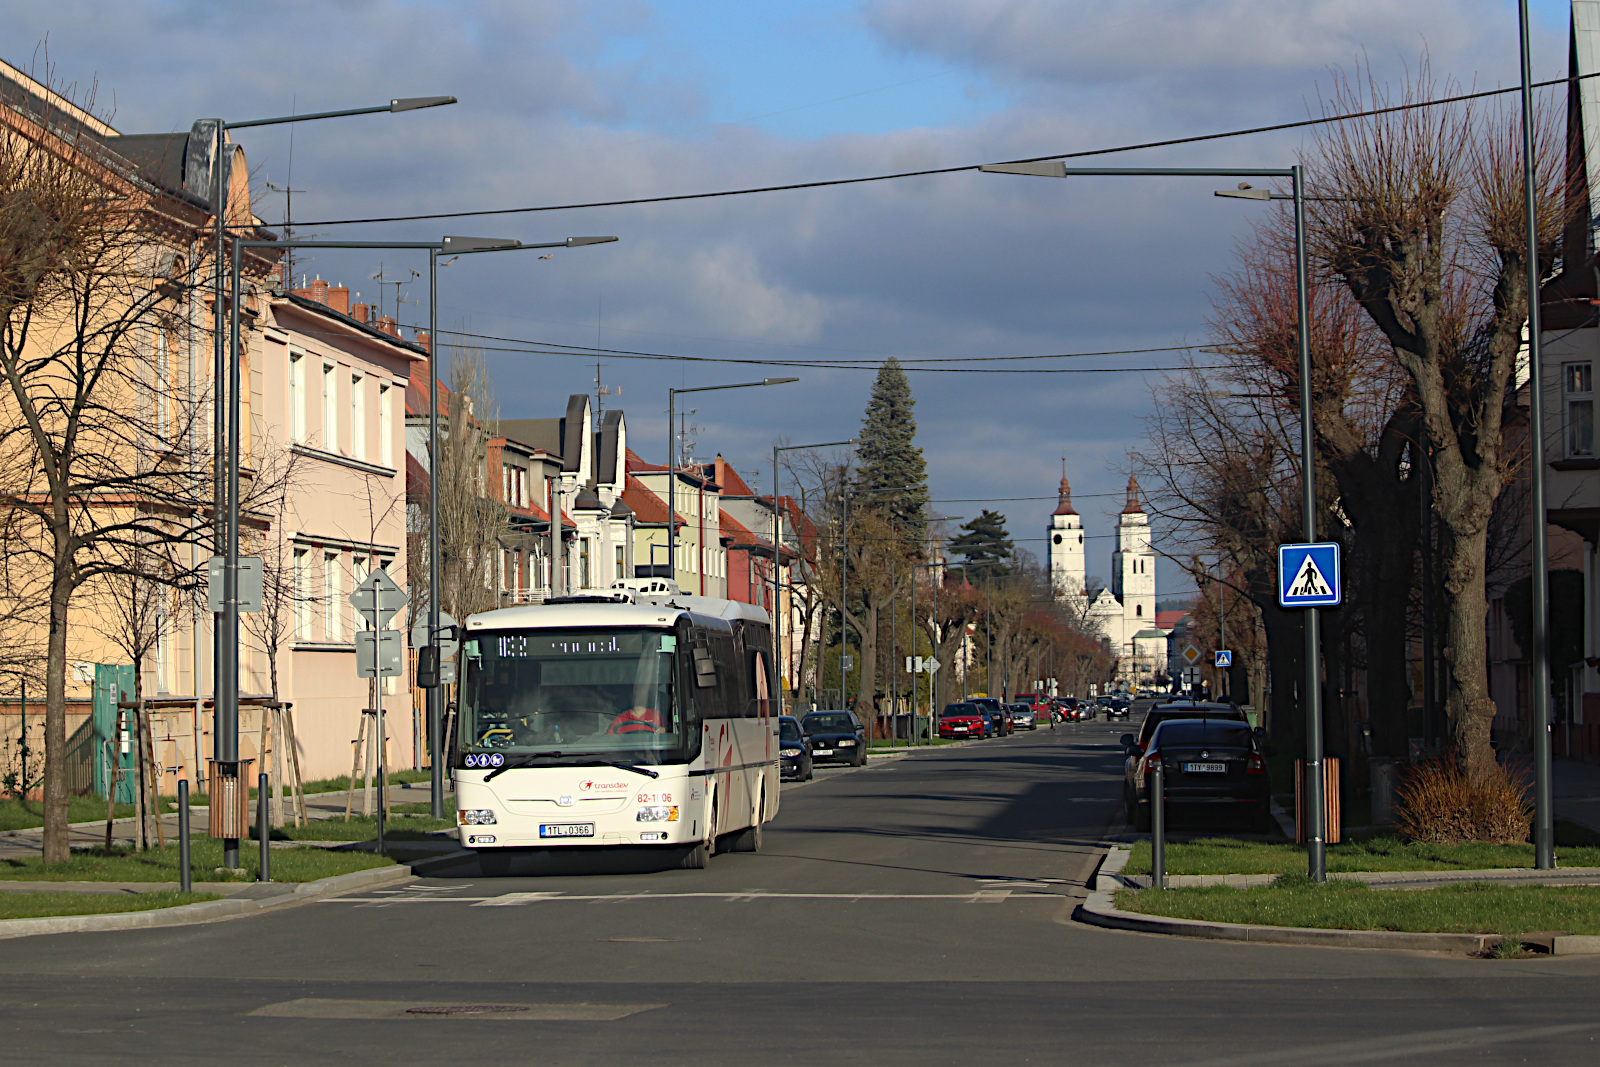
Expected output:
{"points": [[335, 405]]}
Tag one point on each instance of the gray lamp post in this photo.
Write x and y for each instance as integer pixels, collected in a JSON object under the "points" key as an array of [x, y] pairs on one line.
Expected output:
{"points": [[1316, 855], [227, 697], [777, 552], [225, 749], [672, 459]]}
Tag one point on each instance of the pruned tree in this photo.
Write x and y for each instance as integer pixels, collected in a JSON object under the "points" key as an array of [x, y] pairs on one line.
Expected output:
{"points": [[99, 443]]}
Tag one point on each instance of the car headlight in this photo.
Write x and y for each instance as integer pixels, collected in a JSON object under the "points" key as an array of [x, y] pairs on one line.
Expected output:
{"points": [[475, 817], [789, 753], [657, 813], [847, 742]]}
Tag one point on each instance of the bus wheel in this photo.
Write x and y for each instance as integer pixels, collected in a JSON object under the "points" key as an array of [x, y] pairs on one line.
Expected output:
{"points": [[749, 839], [699, 856]]}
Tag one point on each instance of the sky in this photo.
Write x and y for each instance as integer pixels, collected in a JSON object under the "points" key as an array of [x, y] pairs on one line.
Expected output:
{"points": [[574, 102]]}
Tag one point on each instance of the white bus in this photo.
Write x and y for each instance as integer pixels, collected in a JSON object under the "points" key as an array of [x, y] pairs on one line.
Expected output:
{"points": [[637, 717]]}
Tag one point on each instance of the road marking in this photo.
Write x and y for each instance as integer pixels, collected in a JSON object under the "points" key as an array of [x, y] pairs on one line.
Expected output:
{"points": [[508, 900], [328, 1008]]}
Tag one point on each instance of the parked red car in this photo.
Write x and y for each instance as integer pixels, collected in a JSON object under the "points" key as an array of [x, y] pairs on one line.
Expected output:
{"points": [[960, 721]]}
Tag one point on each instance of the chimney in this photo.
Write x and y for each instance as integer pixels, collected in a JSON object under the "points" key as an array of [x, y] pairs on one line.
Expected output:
{"points": [[718, 466], [362, 312], [339, 299], [319, 291], [424, 340], [386, 325]]}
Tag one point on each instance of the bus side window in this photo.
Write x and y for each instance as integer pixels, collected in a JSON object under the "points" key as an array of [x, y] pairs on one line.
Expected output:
{"points": [[761, 695]]}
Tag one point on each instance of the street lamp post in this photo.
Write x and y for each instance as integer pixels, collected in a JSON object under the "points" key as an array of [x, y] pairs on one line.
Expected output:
{"points": [[1543, 799], [225, 732], [933, 701], [777, 552], [672, 460], [1316, 853], [227, 697]]}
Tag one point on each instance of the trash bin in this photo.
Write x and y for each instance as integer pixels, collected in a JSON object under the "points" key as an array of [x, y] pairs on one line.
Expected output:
{"points": [[1385, 780], [1330, 798], [228, 797]]}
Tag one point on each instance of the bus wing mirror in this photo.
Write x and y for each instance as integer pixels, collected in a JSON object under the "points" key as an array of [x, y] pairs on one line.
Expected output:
{"points": [[705, 668]]}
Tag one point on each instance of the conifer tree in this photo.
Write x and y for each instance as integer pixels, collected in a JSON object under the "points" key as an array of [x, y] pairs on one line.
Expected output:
{"points": [[983, 542], [888, 455]]}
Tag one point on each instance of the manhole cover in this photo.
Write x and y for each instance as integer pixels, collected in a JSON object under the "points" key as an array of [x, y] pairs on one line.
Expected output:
{"points": [[466, 1009]]}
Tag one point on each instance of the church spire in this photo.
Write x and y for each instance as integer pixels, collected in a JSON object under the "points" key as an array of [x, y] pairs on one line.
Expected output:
{"points": [[1133, 507], [1064, 494]]}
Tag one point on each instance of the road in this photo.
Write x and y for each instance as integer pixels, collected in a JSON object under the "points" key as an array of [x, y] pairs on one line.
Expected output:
{"points": [[915, 911]]}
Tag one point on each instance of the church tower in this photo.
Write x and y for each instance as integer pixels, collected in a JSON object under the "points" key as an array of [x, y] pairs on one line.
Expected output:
{"points": [[1066, 544], [1133, 567]]}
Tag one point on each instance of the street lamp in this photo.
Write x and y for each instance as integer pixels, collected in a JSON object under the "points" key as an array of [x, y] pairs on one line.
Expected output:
{"points": [[227, 697], [226, 750], [672, 464], [777, 551], [1316, 854]]}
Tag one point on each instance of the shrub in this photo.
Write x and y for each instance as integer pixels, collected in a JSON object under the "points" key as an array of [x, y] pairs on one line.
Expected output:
{"points": [[1440, 804]]}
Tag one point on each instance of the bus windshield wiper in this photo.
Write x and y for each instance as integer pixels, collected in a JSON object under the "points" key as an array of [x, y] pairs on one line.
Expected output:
{"points": [[531, 758], [520, 761]]}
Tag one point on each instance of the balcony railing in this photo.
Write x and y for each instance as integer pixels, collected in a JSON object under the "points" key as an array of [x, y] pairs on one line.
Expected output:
{"points": [[532, 595]]}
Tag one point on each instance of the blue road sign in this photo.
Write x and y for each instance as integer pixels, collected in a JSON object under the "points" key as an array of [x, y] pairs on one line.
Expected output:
{"points": [[1308, 575], [1224, 657]]}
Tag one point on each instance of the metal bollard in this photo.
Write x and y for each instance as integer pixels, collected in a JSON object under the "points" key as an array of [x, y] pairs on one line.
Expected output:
{"points": [[1158, 827], [183, 835], [263, 830]]}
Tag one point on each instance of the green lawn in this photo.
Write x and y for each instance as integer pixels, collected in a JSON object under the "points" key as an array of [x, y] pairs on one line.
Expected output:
{"points": [[1294, 900], [426, 808], [363, 828], [1227, 855], [36, 905], [23, 814], [340, 784], [161, 865]]}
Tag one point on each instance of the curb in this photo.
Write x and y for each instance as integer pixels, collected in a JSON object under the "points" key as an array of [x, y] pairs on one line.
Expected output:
{"points": [[205, 911], [1099, 908]]}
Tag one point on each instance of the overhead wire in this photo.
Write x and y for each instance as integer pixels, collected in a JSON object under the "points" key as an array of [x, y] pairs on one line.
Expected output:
{"points": [[929, 171]]}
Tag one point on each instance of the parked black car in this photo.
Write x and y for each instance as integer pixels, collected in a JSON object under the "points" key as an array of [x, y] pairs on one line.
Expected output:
{"points": [[836, 735], [794, 752], [999, 718], [1180, 709], [1211, 765]]}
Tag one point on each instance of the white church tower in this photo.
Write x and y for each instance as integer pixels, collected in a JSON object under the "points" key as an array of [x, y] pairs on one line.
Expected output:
{"points": [[1133, 566], [1066, 545]]}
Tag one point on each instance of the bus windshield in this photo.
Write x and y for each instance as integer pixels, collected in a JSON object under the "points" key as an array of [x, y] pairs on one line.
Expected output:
{"points": [[571, 693]]}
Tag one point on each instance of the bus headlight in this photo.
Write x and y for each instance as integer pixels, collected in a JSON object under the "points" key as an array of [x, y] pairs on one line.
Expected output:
{"points": [[475, 817], [657, 813]]}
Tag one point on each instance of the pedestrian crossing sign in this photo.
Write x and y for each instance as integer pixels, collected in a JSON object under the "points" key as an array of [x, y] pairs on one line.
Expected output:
{"points": [[1308, 575]]}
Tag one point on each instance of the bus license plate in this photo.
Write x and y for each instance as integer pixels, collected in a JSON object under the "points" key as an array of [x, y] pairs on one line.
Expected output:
{"points": [[567, 829], [1205, 768]]}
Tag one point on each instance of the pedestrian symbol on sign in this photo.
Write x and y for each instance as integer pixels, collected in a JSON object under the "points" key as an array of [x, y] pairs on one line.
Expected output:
{"points": [[1308, 575]]}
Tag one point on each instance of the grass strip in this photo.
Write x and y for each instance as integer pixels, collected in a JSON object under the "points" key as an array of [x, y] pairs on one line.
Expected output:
{"points": [[361, 828], [1230, 855], [340, 784], [161, 865], [18, 814], [1295, 900], [40, 905]]}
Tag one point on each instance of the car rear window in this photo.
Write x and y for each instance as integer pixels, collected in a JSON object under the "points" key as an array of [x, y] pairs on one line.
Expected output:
{"points": [[788, 730], [835, 721], [1156, 716], [1203, 733]]}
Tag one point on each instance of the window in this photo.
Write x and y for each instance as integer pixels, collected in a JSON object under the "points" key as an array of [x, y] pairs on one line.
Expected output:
{"points": [[385, 430], [621, 571], [332, 597], [583, 564], [302, 594], [514, 483], [360, 567], [1578, 386], [358, 417], [297, 396], [161, 387], [330, 410], [1138, 610]]}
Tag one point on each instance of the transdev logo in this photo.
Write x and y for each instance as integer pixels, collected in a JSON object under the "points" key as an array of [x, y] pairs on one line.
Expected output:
{"points": [[589, 785]]}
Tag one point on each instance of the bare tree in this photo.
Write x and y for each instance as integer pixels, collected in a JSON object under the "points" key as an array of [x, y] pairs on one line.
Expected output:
{"points": [[98, 446], [1422, 219]]}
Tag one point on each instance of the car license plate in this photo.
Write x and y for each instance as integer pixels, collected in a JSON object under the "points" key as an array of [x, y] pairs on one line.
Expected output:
{"points": [[822, 752], [567, 829], [1205, 768]]}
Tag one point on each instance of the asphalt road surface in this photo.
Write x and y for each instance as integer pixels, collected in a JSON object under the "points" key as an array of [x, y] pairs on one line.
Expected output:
{"points": [[916, 911]]}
